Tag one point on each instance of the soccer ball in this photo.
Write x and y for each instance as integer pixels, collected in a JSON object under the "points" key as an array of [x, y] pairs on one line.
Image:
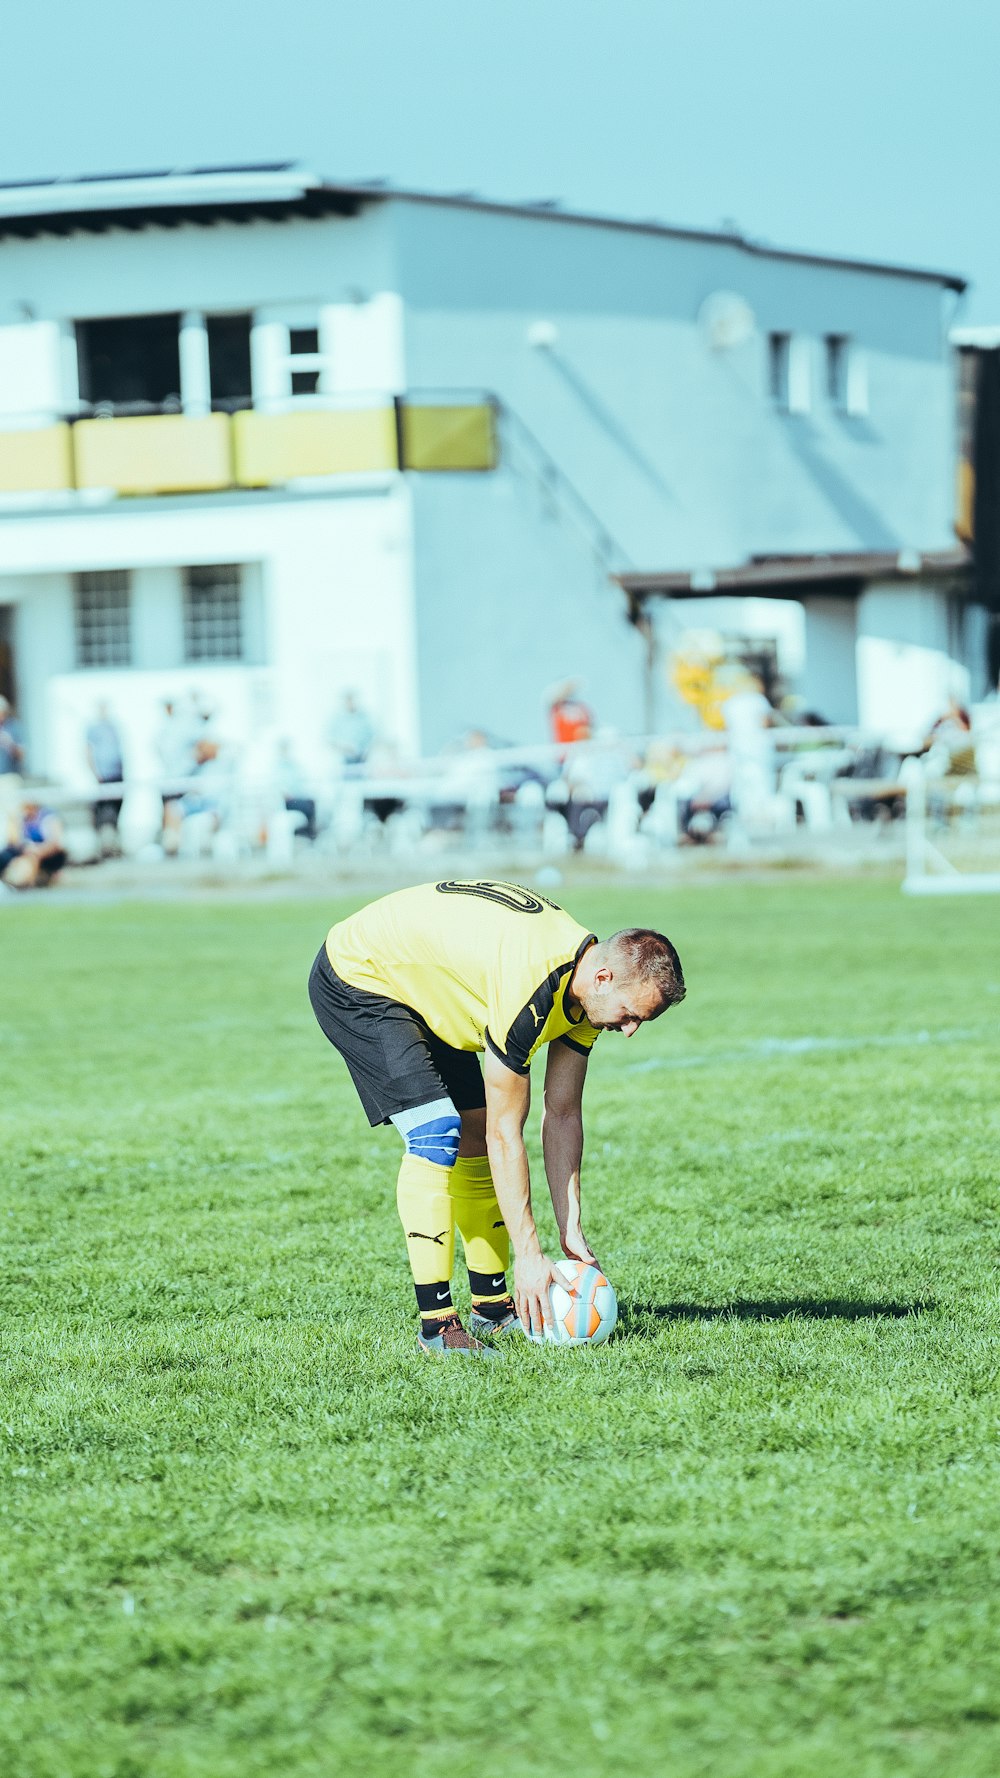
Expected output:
{"points": [[586, 1319]]}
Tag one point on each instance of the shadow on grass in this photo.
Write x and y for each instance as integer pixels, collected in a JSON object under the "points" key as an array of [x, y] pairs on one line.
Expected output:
{"points": [[806, 1308]]}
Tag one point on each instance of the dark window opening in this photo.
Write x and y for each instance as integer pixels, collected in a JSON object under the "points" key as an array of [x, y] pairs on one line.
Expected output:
{"points": [[302, 341], [779, 367], [130, 365], [229, 362], [837, 347]]}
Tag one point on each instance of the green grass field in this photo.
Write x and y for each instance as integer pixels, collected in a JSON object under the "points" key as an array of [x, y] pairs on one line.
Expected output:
{"points": [[247, 1532]]}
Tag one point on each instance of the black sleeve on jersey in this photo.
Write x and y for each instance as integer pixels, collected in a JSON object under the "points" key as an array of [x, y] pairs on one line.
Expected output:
{"points": [[523, 1033]]}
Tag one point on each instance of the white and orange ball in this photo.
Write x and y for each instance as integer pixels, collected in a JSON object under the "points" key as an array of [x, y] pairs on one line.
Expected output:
{"points": [[586, 1318]]}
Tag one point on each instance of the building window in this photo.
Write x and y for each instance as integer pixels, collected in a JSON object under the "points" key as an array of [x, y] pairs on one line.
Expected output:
{"points": [[789, 372], [779, 351], [229, 362], [213, 613], [304, 360], [837, 349], [130, 365], [102, 619], [846, 377]]}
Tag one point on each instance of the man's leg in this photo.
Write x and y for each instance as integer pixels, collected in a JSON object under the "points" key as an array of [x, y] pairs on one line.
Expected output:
{"points": [[483, 1231], [389, 1054], [423, 1199]]}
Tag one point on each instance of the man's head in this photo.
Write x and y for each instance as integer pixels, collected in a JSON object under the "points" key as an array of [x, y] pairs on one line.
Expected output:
{"points": [[628, 979]]}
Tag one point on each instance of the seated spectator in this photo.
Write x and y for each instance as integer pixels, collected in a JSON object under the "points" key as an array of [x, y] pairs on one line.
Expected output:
{"points": [[589, 776], [294, 787], [470, 794], [351, 732], [949, 742], [174, 745], [104, 757], [749, 719], [704, 796], [34, 853], [211, 781]]}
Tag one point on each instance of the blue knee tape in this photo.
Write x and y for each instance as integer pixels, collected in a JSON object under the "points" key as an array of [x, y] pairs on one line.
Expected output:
{"points": [[436, 1141]]}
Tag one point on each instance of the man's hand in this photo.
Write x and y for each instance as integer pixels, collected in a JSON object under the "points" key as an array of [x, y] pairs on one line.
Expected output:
{"points": [[533, 1274], [576, 1246]]}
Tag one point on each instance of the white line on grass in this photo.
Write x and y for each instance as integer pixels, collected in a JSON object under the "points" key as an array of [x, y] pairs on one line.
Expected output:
{"points": [[766, 1049]]}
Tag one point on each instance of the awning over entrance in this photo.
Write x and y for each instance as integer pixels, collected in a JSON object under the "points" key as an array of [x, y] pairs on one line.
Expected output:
{"points": [[793, 577]]}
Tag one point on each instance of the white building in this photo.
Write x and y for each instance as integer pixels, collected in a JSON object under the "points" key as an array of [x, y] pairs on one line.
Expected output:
{"points": [[268, 439]]}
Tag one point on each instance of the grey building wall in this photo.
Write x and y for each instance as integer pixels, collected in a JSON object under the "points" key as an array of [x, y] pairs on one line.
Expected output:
{"points": [[676, 446], [510, 598]]}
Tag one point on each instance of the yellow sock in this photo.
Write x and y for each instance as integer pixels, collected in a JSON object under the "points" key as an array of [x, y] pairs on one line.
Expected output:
{"points": [[484, 1235], [428, 1218]]}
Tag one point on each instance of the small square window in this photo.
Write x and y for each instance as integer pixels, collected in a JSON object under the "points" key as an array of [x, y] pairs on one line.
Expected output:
{"points": [[102, 619], [213, 613]]}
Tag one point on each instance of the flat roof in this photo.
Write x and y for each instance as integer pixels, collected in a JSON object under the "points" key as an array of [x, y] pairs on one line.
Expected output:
{"points": [[787, 576], [165, 197], [984, 338]]}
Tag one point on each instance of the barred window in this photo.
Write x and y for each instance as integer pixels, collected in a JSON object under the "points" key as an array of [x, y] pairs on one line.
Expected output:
{"points": [[103, 619], [213, 613]]}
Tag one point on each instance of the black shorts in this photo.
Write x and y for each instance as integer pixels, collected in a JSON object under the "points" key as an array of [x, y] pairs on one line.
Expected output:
{"points": [[396, 1062]]}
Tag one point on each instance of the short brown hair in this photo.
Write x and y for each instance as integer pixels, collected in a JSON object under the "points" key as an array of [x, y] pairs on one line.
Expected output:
{"points": [[650, 957]]}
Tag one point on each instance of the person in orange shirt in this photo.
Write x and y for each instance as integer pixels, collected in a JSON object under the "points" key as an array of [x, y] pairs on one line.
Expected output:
{"points": [[569, 717]]}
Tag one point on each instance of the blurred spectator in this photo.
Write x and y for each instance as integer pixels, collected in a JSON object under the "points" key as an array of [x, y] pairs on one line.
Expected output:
{"points": [[204, 734], [471, 787], [173, 744], [569, 718], [104, 757], [590, 774], [33, 854], [294, 787], [11, 740], [212, 771], [949, 742], [704, 795], [351, 731], [749, 720]]}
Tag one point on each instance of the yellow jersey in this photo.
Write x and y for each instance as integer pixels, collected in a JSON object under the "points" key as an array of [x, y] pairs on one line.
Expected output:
{"points": [[484, 964]]}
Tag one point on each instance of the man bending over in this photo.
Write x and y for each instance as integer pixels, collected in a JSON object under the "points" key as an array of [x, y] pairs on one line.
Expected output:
{"points": [[411, 990]]}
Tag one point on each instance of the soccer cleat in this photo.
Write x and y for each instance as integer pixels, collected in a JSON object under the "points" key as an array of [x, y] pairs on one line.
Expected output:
{"points": [[453, 1339], [510, 1323]]}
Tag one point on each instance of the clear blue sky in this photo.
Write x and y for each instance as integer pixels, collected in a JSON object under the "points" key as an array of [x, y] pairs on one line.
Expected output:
{"points": [[868, 127]]}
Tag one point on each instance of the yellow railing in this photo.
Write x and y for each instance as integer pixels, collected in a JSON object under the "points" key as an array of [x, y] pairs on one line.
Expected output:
{"points": [[158, 454], [273, 448], [448, 437], [37, 460], [179, 454]]}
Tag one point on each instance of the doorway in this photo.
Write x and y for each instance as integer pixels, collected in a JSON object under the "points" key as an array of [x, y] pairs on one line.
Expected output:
{"points": [[7, 686]]}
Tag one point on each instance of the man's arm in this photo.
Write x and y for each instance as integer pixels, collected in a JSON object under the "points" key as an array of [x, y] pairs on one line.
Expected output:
{"points": [[562, 1143], [508, 1096]]}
